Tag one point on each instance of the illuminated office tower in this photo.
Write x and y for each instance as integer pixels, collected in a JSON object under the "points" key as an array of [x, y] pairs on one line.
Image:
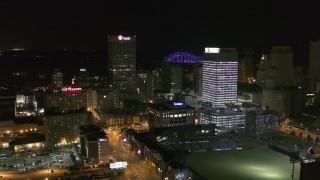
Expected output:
{"points": [[122, 63], [57, 78], [220, 74]]}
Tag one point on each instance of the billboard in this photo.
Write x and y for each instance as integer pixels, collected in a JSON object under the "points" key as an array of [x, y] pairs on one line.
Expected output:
{"points": [[118, 165]]}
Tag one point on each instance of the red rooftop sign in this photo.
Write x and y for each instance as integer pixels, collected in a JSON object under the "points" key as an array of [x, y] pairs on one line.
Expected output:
{"points": [[71, 90]]}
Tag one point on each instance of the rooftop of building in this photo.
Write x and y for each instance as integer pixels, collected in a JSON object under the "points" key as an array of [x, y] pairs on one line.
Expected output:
{"points": [[28, 120], [6, 113], [183, 57], [30, 138], [118, 111], [55, 111], [96, 136], [222, 111], [226, 112], [92, 132], [89, 128], [170, 106], [146, 140]]}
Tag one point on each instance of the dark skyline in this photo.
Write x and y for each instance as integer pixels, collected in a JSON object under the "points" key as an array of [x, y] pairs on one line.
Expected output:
{"points": [[162, 27]]}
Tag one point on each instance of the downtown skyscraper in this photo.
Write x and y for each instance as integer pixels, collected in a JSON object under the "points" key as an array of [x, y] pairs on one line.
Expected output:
{"points": [[122, 63], [314, 65], [220, 74]]}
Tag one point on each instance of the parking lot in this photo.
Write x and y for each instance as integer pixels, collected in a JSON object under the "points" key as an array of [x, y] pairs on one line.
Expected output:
{"points": [[35, 160]]}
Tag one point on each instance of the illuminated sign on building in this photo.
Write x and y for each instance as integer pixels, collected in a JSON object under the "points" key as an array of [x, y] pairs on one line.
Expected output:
{"points": [[103, 139], [212, 50], [70, 90], [83, 69], [177, 103], [124, 38]]}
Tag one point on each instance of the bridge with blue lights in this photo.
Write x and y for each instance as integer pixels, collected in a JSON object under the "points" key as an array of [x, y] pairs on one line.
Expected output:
{"points": [[183, 57]]}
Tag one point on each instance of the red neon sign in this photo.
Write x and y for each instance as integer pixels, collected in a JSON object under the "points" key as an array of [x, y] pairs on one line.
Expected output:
{"points": [[71, 90]]}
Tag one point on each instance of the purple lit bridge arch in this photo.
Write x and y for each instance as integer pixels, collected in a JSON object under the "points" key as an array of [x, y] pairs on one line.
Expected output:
{"points": [[183, 57]]}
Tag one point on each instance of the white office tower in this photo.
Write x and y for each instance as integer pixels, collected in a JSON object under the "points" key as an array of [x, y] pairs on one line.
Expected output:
{"points": [[220, 74]]}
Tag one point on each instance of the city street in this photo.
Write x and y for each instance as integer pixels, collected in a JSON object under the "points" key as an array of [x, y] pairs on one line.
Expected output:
{"points": [[135, 165]]}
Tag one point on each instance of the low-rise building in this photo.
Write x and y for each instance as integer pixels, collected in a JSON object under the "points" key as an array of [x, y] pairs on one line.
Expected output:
{"points": [[94, 144], [28, 142], [170, 114], [118, 117], [226, 120]]}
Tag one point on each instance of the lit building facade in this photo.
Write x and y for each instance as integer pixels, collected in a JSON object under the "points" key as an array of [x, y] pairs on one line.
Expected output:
{"points": [[63, 128], [122, 63], [107, 98], [25, 105], [220, 72], [226, 120], [118, 117], [57, 78], [91, 99], [262, 121], [146, 84], [67, 99], [170, 114]]}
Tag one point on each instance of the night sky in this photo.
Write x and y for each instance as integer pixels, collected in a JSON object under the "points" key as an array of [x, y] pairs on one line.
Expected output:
{"points": [[162, 27]]}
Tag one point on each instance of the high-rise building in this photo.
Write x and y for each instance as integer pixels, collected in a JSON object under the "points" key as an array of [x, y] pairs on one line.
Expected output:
{"points": [[280, 72], [171, 77], [220, 72], [146, 84], [107, 98], [278, 78], [262, 71], [57, 78], [246, 66], [314, 66], [67, 99], [197, 79], [176, 74], [122, 63], [63, 128], [83, 79]]}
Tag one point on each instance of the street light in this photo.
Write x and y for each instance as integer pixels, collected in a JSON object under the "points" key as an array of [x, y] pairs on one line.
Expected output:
{"points": [[294, 157]]}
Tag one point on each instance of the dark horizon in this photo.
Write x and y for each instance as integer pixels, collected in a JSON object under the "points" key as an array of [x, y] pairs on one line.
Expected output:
{"points": [[162, 27]]}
